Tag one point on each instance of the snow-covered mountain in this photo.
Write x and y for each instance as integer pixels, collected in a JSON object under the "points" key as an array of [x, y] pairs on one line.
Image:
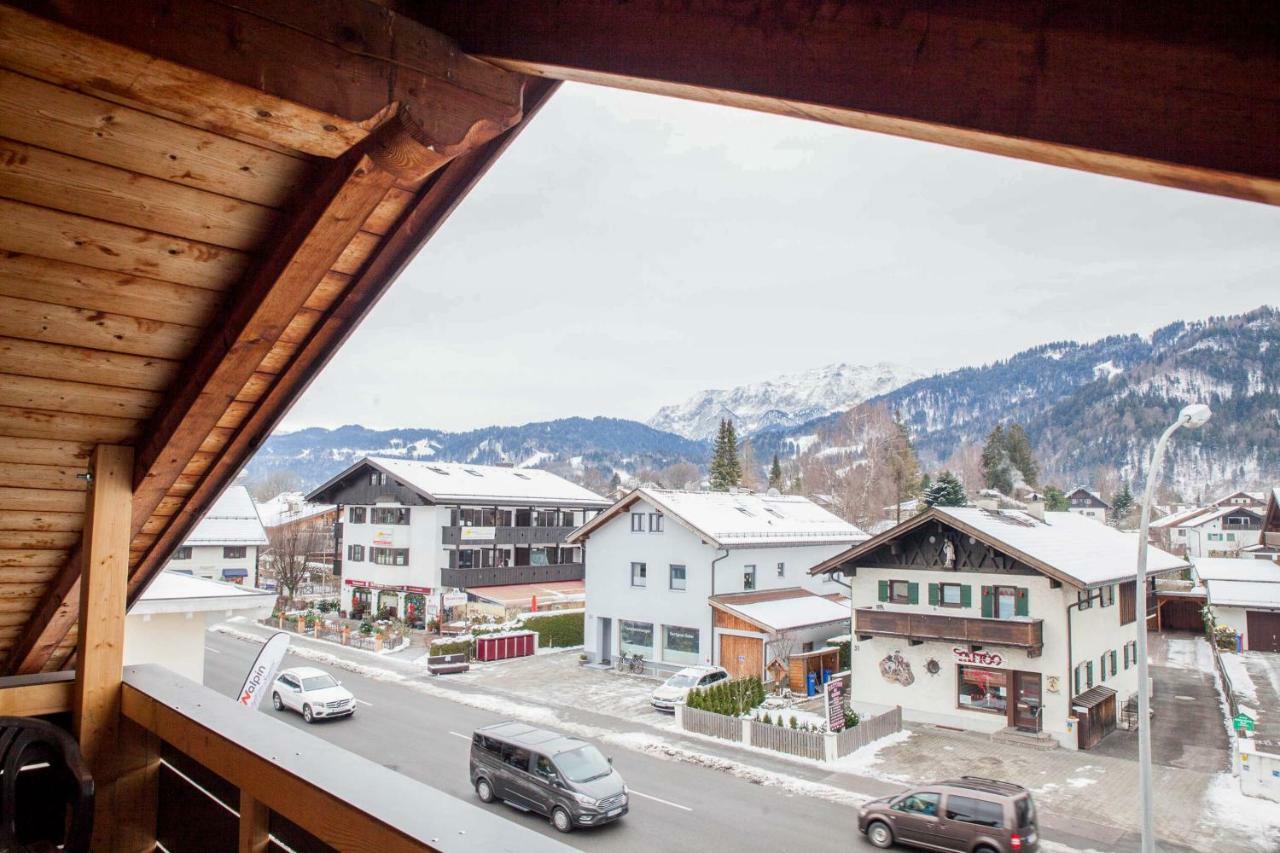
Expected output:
{"points": [[782, 402]]}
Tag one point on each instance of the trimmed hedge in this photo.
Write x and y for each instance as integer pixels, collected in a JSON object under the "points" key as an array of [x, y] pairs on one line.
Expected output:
{"points": [[557, 630], [731, 698], [456, 647]]}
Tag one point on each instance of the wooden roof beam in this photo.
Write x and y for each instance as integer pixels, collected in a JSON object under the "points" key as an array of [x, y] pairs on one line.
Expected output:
{"points": [[1181, 93], [315, 76]]}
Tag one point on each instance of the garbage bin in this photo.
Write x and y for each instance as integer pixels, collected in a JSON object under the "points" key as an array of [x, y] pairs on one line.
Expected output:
{"points": [[826, 676], [813, 684]]}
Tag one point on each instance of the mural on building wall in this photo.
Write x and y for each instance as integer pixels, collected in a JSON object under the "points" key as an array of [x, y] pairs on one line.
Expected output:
{"points": [[896, 669]]}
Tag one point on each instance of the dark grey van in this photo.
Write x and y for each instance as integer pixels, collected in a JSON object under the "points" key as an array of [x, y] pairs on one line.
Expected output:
{"points": [[966, 815], [564, 778]]}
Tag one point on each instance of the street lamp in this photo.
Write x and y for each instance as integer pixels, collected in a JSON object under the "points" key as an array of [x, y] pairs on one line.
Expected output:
{"points": [[1193, 416]]}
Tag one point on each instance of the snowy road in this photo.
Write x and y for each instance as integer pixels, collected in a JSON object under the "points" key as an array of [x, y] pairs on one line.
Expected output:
{"points": [[683, 800]]}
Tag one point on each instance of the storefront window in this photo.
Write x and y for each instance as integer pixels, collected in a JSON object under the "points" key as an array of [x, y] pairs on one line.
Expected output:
{"points": [[637, 638], [680, 645], [982, 689], [361, 602]]}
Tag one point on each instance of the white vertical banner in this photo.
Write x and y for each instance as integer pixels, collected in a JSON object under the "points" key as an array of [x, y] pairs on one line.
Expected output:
{"points": [[263, 671]]}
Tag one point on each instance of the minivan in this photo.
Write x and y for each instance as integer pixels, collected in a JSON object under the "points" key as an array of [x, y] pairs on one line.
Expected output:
{"points": [[969, 815], [564, 778]]}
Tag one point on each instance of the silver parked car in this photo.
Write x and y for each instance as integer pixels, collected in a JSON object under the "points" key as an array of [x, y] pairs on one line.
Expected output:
{"points": [[313, 693], [675, 690]]}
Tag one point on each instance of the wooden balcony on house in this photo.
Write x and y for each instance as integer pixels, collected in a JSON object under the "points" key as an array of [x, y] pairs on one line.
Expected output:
{"points": [[507, 535], [505, 575], [1019, 633]]}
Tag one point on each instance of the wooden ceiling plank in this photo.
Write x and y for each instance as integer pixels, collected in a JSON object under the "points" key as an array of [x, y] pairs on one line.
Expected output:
{"points": [[254, 388], [93, 129], [41, 522], [43, 451], [99, 330], [330, 288], [40, 423], [215, 440], [56, 361], [77, 397], [357, 251], [25, 587], [38, 539], [24, 475], [386, 214], [19, 604], [34, 230], [59, 283], [278, 358], [70, 184], [1183, 94], [32, 559], [59, 54], [300, 326], [41, 500]]}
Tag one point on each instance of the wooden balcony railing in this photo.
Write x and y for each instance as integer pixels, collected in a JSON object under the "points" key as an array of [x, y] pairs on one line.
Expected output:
{"points": [[504, 575], [233, 779], [1021, 633]]}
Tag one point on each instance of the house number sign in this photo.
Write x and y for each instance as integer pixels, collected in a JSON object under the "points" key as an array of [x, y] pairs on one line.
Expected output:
{"points": [[980, 658]]}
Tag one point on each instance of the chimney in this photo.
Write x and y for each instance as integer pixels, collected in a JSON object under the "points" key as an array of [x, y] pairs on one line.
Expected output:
{"points": [[984, 502], [1036, 507]]}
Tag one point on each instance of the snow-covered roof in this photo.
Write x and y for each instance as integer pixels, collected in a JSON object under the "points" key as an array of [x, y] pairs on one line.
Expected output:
{"points": [[798, 609], [1244, 594], [232, 520], [739, 519], [456, 482], [1228, 569], [1203, 515], [176, 592], [1065, 544], [290, 506]]}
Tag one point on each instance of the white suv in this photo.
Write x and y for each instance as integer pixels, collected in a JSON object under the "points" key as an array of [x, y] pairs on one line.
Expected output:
{"points": [[313, 693], [676, 689]]}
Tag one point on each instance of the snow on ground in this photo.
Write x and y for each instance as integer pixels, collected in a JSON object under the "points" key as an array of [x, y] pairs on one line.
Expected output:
{"points": [[1226, 805], [1108, 369], [1190, 653], [1241, 682], [651, 745], [867, 761]]}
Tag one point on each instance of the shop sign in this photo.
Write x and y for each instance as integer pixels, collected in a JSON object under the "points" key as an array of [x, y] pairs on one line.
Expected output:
{"points": [[979, 658], [350, 582], [473, 533], [835, 705], [425, 590], [455, 599], [1242, 722], [382, 538]]}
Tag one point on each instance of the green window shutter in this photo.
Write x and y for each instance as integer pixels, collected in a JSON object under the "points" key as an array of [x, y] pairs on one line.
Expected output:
{"points": [[1088, 674], [988, 602], [966, 596], [935, 594], [1126, 655], [883, 590], [1077, 679], [1020, 601], [1113, 661], [913, 593], [1102, 667]]}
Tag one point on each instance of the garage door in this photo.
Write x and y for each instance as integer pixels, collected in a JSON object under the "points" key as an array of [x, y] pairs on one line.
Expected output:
{"points": [[1264, 630], [742, 656]]}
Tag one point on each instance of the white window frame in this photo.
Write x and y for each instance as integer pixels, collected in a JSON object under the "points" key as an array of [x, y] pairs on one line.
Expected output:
{"points": [[637, 522], [643, 576], [655, 522], [671, 577]]}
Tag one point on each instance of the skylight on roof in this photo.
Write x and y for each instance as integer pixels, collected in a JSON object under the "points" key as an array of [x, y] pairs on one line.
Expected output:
{"points": [[773, 512], [522, 476], [439, 471], [745, 511], [473, 473]]}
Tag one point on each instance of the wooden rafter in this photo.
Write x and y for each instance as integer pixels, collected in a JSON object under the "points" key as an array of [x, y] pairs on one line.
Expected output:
{"points": [[295, 302], [1178, 93]]}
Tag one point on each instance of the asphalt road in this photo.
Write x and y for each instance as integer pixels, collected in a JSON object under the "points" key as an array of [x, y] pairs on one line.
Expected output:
{"points": [[675, 806]]}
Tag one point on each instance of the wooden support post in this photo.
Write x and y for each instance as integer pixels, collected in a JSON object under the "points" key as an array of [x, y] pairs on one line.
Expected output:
{"points": [[254, 821], [103, 584]]}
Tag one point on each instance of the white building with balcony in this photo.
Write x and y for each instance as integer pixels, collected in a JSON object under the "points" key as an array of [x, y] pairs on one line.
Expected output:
{"points": [[998, 621], [411, 531], [225, 545], [657, 558], [1210, 531]]}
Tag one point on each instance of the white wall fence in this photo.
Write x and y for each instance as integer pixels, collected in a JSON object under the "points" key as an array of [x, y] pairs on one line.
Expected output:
{"points": [[820, 746]]}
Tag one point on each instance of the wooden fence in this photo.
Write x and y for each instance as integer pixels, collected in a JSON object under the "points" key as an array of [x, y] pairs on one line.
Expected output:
{"points": [[820, 746], [791, 741], [709, 723], [869, 729]]}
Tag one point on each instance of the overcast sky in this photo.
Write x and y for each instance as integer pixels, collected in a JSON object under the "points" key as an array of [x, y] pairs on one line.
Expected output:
{"points": [[629, 250]]}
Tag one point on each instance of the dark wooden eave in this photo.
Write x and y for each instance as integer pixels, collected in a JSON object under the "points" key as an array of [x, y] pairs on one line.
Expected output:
{"points": [[1179, 93]]}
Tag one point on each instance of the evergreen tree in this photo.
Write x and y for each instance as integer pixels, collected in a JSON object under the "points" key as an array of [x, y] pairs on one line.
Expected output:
{"points": [[797, 484], [775, 474], [726, 470], [904, 467], [946, 491], [615, 481], [1020, 456], [995, 461], [1055, 500], [1122, 502]]}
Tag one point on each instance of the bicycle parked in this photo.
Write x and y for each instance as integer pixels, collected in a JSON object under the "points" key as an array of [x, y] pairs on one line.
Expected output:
{"points": [[635, 663]]}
